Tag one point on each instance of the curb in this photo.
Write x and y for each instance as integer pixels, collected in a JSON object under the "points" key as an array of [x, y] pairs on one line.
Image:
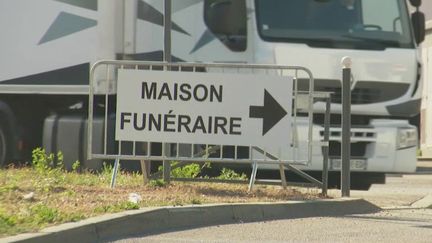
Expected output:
{"points": [[156, 220], [424, 202]]}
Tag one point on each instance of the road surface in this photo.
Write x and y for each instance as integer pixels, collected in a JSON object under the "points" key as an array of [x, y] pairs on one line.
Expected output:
{"points": [[398, 222]]}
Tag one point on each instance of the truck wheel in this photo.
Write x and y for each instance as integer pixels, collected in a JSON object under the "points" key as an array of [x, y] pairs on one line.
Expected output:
{"points": [[3, 147]]}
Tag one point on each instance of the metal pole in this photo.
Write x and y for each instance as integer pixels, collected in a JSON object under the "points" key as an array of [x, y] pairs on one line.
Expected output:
{"points": [[326, 146], [167, 31], [167, 58], [346, 126]]}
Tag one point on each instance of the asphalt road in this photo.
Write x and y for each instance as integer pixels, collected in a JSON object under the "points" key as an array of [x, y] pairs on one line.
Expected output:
{"points": [[387, 226], [399, 190], [396, 223]]}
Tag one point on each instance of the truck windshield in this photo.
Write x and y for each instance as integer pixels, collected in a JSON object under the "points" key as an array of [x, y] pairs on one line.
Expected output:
{"points": [[350, 24]]}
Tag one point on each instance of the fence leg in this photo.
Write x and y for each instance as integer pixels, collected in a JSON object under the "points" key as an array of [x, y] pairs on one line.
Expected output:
{"points": [[253, 175], [114, 172], [166, 171], [145, 169], [282, 174]]}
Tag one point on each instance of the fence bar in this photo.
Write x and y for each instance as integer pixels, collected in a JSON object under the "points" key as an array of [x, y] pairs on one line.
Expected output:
{"points": [[257, 181], [304, 175], [134, 147], [178, 150], [290, 167], [90, 117], [346, 126], [294, 134], [195, 159], [106, 112]]}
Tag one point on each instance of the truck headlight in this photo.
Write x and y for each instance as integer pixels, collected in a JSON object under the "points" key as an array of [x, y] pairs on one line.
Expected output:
{"points": [[406, 137]]}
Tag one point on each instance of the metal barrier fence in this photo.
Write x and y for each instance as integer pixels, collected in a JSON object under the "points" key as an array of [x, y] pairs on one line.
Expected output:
{"points": [[102, 101]]}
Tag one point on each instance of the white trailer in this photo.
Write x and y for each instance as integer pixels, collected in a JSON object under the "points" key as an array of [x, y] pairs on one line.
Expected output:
{"points": [[48, 45]]}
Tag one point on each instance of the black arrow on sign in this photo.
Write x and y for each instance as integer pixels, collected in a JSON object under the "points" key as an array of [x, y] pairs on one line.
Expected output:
{"points": [[271, 113]]}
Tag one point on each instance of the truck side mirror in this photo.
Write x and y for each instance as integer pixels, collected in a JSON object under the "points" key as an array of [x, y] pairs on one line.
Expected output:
{"points": [[217, 15], [418, 22], [227, 20], [415, 3]]}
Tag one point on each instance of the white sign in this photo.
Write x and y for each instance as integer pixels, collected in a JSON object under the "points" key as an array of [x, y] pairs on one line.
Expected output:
{"points": [[204, 108]]}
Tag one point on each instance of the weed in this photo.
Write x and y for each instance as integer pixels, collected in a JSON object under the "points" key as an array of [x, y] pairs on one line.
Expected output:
{"points": [[69, 193], [106, 172], [196, 201], [43, 214], [76, 165], [102, 209], [157, 183], [117, 207], [128, 206], [178, 202], [7, 223], [72, 217], [8, 187], [228, 174], [7, 220], [187, 171], [49, 169], [107, 169], [44, 162], [41, 161]]}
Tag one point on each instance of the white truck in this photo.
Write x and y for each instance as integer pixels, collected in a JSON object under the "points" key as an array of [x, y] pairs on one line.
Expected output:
{"points": [[47, 47]]}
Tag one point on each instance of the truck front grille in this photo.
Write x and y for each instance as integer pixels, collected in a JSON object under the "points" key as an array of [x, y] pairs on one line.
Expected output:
{"points": [[357, 149], [360, 138], [365, 92]]}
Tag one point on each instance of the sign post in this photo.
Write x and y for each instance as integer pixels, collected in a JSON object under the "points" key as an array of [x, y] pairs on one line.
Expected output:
{"points": [[167, 30]]}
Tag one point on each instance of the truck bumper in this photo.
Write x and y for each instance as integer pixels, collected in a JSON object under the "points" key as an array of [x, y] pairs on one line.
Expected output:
{"points": [[374, 148]]}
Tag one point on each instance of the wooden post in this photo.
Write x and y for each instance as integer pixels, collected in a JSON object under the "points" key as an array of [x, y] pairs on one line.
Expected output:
{"points": [[145, 169]]}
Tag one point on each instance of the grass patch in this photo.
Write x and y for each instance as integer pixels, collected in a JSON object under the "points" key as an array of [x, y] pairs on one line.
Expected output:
{"points": [[43, 195]]}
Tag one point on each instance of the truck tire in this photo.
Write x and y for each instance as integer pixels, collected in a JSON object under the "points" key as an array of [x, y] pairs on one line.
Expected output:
{"points": [[3, 147]]}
